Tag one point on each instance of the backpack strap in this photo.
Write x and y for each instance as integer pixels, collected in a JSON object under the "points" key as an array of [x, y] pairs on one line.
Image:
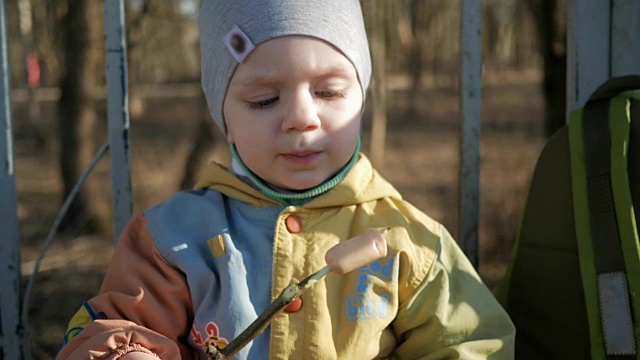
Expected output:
{"points": [[605, 221], [615, 86], [620, 123]]}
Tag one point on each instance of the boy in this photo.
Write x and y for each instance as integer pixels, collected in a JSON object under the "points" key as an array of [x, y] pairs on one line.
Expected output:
{"points": [[286, 81]]}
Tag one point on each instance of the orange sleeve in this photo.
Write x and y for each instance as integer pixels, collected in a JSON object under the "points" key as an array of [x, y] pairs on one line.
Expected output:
{"points": [[145, 303]]}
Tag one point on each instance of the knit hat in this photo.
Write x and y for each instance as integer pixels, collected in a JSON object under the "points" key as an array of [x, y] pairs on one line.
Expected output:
{"points": [[231, 29]]}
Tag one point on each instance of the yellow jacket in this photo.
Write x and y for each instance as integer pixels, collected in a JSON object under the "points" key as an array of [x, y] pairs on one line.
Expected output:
{"points": [[166, 290]]}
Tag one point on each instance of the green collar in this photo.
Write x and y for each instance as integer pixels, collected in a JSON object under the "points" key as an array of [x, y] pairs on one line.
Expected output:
{"points": [[294, 198]]}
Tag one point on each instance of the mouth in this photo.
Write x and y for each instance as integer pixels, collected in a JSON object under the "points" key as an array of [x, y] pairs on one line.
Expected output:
{"points": [[301, 157], [301, 153]]}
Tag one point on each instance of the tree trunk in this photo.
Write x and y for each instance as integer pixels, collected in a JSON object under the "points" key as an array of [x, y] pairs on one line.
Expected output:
{"points": [[407, 28], [78, 118], [552, 47], [375, 12], [205, 138]]}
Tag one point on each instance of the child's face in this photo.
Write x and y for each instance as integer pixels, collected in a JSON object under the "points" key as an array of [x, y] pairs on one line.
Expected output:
{"points": [[293, 111]]}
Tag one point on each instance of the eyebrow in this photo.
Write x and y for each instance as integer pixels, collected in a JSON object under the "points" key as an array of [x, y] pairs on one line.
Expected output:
{"points": [[258, 79]]}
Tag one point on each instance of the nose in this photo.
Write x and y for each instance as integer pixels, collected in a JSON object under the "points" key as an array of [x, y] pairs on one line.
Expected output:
{"points": [[301, 114]]}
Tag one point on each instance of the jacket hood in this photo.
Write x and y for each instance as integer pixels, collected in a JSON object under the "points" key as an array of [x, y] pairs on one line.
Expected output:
{"points": [[362, 184]]}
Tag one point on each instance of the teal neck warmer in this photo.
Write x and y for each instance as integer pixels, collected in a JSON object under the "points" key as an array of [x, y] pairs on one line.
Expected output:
{"points": [[294, 198]]}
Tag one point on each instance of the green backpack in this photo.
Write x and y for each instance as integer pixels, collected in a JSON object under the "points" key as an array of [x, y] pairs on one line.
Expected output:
{"points": [[572, 287]]}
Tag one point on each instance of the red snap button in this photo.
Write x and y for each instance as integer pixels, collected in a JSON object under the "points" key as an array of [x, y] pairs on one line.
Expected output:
{"points": [[294, 306], [293, 223]]}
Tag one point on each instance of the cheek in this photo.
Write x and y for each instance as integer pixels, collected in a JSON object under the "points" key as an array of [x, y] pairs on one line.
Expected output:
{"points": [[252, 142], [345, 121], [351, 113], [238, 127]]}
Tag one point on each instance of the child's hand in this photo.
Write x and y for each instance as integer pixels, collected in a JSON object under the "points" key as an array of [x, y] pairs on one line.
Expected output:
{"points": [[138, 356]]}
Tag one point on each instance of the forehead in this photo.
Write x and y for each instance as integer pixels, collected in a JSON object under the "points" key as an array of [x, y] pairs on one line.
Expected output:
{"points": [[289, 56]]}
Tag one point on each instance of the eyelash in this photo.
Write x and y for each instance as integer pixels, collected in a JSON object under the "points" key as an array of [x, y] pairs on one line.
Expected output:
{"points": [[263, 104], [332, 94]]}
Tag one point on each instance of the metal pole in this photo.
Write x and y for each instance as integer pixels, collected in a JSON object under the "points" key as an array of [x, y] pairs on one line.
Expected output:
{"points": [[588, 49], [118, 113], [470, 111], [625, 37], [11, 335]]}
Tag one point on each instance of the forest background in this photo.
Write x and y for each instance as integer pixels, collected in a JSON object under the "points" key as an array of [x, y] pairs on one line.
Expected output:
{"points": [[59, 111]]}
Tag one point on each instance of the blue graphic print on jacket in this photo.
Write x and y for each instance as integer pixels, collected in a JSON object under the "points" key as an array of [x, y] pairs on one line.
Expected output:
{"points": [[364, 303]]}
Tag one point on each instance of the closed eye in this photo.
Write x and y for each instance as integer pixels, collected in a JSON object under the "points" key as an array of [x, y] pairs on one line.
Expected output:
{"points": [[262, 104], [328, 94]]}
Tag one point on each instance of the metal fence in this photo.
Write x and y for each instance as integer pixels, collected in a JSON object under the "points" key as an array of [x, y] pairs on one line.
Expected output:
{"points": [[603, 41], [14, 308]]}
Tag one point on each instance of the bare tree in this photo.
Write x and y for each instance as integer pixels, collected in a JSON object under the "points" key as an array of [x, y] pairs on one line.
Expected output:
{"points": [[407, 29], [550, 19], [82, 29], [151, 26], [375, 15], [205, 137], [32, 72]]}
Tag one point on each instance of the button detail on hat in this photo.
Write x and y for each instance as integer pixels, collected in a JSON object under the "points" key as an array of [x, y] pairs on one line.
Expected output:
{"points": [[293, 223], [294, 306], [238, 43]]}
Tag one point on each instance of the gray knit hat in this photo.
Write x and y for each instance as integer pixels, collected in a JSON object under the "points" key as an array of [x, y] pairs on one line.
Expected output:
{"points": [[230, 30]]}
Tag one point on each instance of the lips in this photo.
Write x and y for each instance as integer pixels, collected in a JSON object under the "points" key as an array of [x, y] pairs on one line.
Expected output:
{"points": [[301, 157], [301, 153]]}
